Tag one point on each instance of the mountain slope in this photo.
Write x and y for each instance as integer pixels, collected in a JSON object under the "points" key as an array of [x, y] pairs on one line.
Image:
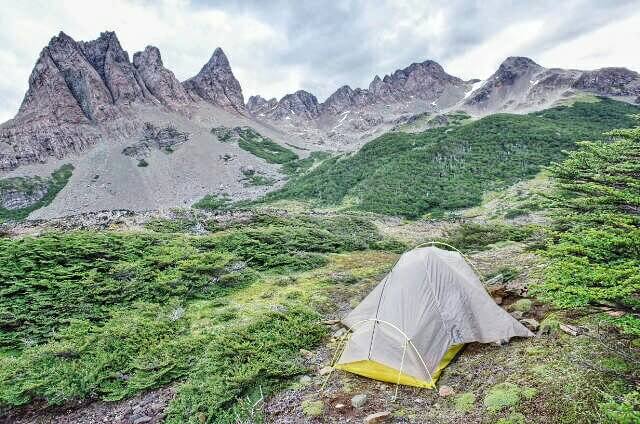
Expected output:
{"points": [[451, 167]]}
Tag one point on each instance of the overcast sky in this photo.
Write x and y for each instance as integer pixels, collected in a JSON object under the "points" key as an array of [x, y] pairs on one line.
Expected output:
{"points": [[277, 47]]}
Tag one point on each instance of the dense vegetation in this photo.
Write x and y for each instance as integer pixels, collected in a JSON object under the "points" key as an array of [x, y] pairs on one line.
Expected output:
{"points": [[28, 185], [451, 167], [595, 254], [108, 314], [250, 140]]}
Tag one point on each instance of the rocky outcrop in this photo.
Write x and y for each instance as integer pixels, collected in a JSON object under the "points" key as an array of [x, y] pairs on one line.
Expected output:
{"points": [[158, 80], [610, 82], [258, 105], [300, 104], [215, 83], [83, 92], [521, 85], [13, 199], [118, 74]]}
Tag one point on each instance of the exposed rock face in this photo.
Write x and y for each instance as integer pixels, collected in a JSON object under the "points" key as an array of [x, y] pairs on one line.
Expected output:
{"points": [[610, 82], [19, 199], [82, 92], [520, 84], [158, 80], [299, 104], [259, 105], [215, 83], [350, 114], [118, 74]]}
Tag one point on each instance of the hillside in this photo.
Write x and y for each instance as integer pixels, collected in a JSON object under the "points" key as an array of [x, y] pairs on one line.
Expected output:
{"points": [[450, 168]]}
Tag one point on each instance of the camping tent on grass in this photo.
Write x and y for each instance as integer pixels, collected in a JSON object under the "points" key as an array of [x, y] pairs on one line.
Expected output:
{"points": [[415, 321]]}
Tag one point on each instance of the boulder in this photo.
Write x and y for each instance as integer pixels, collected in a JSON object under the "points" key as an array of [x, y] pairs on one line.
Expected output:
{"points": [[358, 401]]}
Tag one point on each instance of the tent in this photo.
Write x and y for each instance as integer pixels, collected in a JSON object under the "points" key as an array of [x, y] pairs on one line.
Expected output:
{"points": [[420, 315]]}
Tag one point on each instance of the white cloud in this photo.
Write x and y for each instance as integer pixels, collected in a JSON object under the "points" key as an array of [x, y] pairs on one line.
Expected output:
{"points": [[280, 46], [612, 45], [483, 60], [185, 36]]}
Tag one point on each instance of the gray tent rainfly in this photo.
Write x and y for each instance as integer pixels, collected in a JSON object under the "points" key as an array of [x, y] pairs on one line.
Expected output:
{"points": [[420, 315]]}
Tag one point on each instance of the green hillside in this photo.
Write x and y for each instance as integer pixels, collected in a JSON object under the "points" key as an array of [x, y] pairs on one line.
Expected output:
{"points": [[451, 167]]}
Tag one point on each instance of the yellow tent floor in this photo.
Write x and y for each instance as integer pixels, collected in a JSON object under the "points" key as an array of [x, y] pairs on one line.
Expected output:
{"points": [[382, 372]]}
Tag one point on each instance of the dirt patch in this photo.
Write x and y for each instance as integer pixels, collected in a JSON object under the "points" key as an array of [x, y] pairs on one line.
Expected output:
{"points": [[146, 408]]}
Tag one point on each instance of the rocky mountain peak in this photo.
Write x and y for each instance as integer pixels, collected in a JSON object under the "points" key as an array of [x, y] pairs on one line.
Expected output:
{"points": [[216, 83], [299, 104], [259, 105], [160, 82]]}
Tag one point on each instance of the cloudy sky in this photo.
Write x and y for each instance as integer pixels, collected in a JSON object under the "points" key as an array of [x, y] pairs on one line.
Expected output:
{"points": [[278, 46]]}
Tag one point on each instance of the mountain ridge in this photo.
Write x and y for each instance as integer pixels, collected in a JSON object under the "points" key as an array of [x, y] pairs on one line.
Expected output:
{"points": [[84, 92]]}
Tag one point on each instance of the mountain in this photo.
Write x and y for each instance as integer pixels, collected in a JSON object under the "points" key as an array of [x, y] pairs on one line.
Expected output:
{"points": [[521, 85], [81, 93], [349, 117], [138, 138]]}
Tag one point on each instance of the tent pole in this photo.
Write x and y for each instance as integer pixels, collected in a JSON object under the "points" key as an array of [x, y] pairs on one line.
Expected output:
{"points": [[404, 351]]}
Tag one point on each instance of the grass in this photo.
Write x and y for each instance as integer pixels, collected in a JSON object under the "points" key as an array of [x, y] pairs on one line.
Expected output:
{"points": [[28, 185], [452, 167], [250, 140], [212, 202]]}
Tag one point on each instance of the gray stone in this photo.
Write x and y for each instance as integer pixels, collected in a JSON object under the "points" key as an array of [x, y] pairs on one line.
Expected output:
{"points": [[143, 419], [358, 401], [531, 324]]}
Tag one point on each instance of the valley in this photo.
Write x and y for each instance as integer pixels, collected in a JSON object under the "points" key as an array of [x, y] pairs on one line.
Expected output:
{"points": [[170, 253]]}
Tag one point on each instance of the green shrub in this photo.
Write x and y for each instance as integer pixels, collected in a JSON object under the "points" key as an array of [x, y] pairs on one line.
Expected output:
{"points": [[250, 140], [56, 182], [212, 202], [452, 167], [464, 402], [595, 253], [469, 237], [624, 411]]}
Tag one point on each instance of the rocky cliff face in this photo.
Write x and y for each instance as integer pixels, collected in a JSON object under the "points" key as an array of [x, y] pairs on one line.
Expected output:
{"points": [[159, 81], [216, 83], [521, 85], [350, 115], [83, 92]]}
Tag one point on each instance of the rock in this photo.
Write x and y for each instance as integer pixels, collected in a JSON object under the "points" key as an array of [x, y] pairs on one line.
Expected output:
{"points": [[160, 82], [339, 405], [498, 300], [445, 391], [305, 380], [517, 315], [338, 334], [358, 401], [325, 370], [616, 314], [331, 322], [377, 418], [216, 84], [573, 330], [300, 104], [142, 420], [531, 324], [306, 353]]}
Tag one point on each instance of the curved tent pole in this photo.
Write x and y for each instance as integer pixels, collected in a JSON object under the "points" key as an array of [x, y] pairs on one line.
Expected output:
{"points": [[357, 325]]}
